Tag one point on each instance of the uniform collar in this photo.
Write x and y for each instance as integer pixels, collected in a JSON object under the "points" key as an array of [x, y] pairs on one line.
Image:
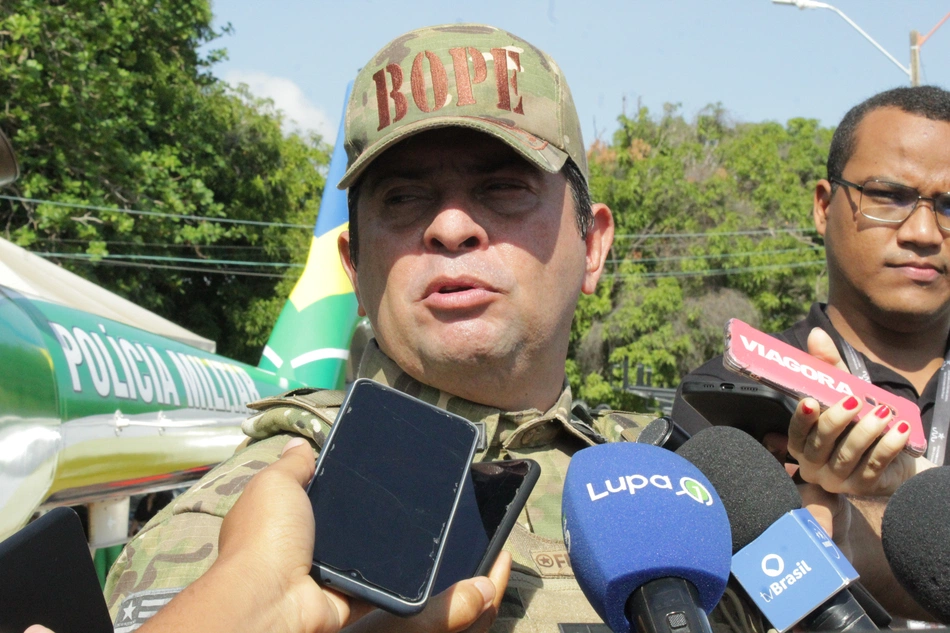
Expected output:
{"points": [[510, 429]]}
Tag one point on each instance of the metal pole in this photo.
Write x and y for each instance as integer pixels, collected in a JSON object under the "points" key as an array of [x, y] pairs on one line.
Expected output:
{"points": [[915, 49], [811, 4], [914, 58]]}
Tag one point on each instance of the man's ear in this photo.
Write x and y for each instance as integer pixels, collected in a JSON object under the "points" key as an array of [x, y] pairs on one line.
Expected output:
{"points": [[600, 237], [821, 204], [343, 245]]}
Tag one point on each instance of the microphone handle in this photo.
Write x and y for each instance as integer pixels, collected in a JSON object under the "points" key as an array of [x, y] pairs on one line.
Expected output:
{"points": [[841, 612], [871, 606], [666, 605]]}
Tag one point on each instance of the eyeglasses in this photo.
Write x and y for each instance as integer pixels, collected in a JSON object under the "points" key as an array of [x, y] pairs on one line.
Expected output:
{"points": [[893, 203]]}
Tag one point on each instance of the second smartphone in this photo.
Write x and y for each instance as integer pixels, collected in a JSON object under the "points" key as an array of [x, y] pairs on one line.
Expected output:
{"points": [[492, 499]]}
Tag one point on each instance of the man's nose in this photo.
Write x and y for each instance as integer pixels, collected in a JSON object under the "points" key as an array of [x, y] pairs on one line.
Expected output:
{"points": [[455, 227], [921, 227]]}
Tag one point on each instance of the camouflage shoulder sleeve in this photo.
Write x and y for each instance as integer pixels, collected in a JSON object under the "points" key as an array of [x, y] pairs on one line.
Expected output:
{"points": [[179, 544], [620, 426]]}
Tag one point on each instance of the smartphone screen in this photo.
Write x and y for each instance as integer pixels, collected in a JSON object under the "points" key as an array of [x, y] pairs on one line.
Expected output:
{"points": [[492, 499], [47, 577], [384, 495]]}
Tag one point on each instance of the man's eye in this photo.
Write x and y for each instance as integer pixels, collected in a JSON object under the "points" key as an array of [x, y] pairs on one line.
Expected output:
{"points": [[404, 197], [890, 196], [396, 199], [942, 204], [507, 187]]}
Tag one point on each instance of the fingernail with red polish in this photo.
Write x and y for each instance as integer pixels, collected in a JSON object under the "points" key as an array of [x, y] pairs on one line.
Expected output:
{"points": [[903, 427], [806, 409], [851, 403], [882, 411]]}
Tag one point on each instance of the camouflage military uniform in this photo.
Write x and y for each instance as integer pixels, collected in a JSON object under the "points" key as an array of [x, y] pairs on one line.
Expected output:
{"points": [[459, 75], [180, 543]]}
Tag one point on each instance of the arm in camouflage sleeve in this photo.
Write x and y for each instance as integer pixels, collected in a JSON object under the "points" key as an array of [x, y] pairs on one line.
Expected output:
{"points": [[181, 542], [260, 580]]}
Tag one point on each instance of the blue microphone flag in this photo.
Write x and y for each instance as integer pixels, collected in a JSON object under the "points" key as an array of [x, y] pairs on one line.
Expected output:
{"points": [[634, 513], [792, 567]]}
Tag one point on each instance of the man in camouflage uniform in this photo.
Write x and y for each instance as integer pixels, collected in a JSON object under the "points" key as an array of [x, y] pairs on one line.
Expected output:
{"points": [[471, 237]]}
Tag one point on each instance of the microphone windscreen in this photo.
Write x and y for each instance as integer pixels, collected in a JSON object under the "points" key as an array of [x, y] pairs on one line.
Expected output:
{"points": [[754, 487], [633, 513], [915, 534]]}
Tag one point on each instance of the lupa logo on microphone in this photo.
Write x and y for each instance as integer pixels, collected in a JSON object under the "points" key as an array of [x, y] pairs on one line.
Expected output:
{"points": [[695, 491], [633, 483]]}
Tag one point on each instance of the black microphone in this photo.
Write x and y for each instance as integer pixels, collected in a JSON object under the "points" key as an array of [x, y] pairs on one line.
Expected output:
{"points": [[764, 509], [754, 488], [663, 432], [915, 532]]}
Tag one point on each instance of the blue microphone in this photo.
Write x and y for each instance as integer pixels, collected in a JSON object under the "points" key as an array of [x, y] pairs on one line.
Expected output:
{"points": [[647, 536]]}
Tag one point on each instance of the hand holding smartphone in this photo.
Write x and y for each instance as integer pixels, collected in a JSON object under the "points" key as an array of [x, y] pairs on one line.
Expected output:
{"points": [[384, 495], [765, 359], [400, 510]]}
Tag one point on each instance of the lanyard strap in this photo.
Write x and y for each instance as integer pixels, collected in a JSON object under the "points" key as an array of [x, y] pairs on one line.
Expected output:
{"points": [[939, 423], [854, 361]]}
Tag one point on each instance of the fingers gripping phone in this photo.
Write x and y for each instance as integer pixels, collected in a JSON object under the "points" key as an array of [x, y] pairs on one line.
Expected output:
{"points": [[767, 360], [385, 494]]}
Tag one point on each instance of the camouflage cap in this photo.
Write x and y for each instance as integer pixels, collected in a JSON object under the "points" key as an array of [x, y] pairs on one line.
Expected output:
{"points": [[9, 169], [463, 75]]}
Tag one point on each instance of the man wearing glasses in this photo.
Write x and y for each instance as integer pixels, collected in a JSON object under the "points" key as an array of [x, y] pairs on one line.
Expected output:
{"points": [[884, 213]]}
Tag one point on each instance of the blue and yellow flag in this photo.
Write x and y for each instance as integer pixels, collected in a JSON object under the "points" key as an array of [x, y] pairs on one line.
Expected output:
{"points": [[310, 341]]}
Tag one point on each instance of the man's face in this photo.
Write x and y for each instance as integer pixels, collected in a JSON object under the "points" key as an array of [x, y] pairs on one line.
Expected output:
{"points": [[899, 276], [471, 263]]}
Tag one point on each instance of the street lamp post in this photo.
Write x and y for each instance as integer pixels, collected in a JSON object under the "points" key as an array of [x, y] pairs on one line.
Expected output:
{"points": [[812, 4], [916, 41]]}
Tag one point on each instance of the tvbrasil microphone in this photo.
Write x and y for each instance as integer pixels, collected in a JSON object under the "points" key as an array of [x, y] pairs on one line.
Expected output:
{"points": [[914, 533], [647, 536], [785, 561]]}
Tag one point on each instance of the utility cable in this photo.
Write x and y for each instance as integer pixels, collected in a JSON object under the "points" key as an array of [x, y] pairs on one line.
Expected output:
{"points": [[162, 258], [157, 214]]}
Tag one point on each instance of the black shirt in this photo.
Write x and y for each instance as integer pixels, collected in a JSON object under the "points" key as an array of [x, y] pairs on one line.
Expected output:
{"points": [[797, 336]]}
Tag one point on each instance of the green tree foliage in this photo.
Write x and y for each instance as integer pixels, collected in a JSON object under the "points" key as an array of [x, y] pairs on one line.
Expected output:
{"points": [[113, 104], [713, 222]]}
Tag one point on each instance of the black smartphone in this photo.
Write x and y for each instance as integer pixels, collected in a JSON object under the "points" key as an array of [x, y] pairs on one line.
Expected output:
{"points": [[756, 409], [385, 493], [492, 498], [47, 577]]}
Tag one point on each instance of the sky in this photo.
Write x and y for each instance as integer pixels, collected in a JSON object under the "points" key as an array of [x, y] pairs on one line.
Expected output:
{"points": [[761, 61]]}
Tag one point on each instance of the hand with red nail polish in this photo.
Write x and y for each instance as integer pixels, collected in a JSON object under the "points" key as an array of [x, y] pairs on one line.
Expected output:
{"points": [[860, 458]]}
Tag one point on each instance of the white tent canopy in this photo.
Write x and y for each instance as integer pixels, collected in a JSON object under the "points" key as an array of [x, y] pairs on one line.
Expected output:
{"points": [[33, 276]]}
